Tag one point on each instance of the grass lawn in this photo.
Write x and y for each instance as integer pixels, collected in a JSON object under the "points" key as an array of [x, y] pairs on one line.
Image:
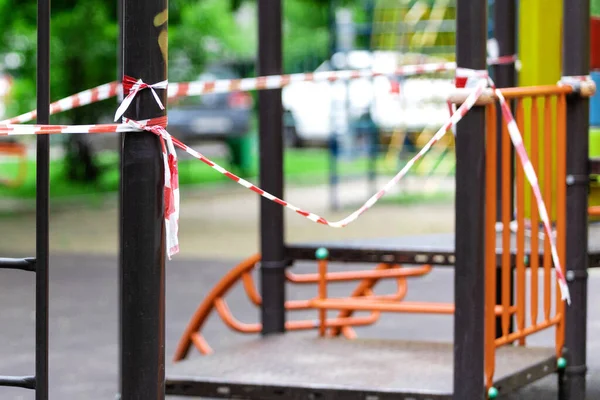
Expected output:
{"points": [[302, 166]]}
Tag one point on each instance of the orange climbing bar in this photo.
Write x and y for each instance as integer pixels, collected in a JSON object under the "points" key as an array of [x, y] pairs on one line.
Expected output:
{"points": [[520, 208], [490, 241]]}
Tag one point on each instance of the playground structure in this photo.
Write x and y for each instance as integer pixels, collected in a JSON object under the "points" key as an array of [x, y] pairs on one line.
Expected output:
{"points": [[483, 306], [485, 303]]}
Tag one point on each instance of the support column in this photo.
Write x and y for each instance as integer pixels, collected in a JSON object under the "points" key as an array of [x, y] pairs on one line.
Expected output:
{"points": [[576, 61], [505, 19], [469, 279], [143, 236], [271, 169], [42, 194]]}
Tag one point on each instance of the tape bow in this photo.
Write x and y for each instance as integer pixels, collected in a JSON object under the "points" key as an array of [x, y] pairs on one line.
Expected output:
{"points": [[133, 87]]}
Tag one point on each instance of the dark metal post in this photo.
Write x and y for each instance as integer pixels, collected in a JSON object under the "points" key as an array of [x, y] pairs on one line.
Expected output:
{"points": [[576, 61], [505, 17], [120, 5], [471, 22], [271, 169], [143, 241], [42, 201]]}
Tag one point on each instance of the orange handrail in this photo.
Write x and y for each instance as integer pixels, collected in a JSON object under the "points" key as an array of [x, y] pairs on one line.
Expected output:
{"points": [[490, 241]]}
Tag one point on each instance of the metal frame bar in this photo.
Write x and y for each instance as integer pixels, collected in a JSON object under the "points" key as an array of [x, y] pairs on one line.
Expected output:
{"points": [[469, 277], [42, 201], [273, 263], [576, 19], [40, 263], [505, 32], [225, 389], [24, 264], [142, 248]]}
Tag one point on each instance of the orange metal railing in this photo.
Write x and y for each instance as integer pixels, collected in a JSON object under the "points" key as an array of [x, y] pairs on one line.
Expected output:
{"points": [[540, 116]]}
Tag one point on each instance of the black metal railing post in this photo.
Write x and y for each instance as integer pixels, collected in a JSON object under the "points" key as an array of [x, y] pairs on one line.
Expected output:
{"points": [[120, 4], [505, 75], [469, 277], [271, 169], [42, 201], [576, 61], [143, 236]]}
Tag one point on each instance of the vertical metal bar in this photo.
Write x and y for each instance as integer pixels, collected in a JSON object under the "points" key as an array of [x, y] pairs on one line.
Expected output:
{"points": [[271, 169], [561, 209], [520, 195], [548, 181], [322, 266], [469, 277], [42, 201], [534, 261], [506, 273], [505, 17], [490, 243], [120, 5], [576, 61], [143, 241]]}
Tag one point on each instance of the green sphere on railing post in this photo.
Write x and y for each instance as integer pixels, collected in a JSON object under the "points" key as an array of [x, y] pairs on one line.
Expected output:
{"points": [[492, 393], [561, 363], [322, 253], [526, 260]]}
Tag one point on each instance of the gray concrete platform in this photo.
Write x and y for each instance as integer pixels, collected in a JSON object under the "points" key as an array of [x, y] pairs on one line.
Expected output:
{"points": [[363, 365]]}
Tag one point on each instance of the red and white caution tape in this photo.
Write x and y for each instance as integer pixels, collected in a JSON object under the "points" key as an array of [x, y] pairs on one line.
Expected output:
{"points": [[197, 88], [86, 97], [185, 89], [171, 189], [457, 116], [279, 81], [132, 88], [517, 140]]}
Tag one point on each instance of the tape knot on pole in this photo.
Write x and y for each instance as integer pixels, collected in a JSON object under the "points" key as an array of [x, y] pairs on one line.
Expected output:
{"points": [[171, 188], [581, 84], [132, 87]]}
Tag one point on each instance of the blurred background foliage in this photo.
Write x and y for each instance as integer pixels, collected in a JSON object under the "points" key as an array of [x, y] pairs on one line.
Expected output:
{"points": [[85, 35]]}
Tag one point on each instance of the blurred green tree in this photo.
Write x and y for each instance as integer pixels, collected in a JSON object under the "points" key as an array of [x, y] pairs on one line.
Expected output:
{"points": [[84, 37], [84, 55]]}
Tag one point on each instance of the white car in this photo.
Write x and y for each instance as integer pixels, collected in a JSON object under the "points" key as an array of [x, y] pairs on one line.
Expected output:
{"points": [[316, 109]]}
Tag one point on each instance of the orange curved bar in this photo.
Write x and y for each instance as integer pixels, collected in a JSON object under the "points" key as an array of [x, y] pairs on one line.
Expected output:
{"points": [[205, 308], [256, 298], [364, 285], [250, 289], [201, 343], [225, 313], [359, 275], [361, 289]]}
